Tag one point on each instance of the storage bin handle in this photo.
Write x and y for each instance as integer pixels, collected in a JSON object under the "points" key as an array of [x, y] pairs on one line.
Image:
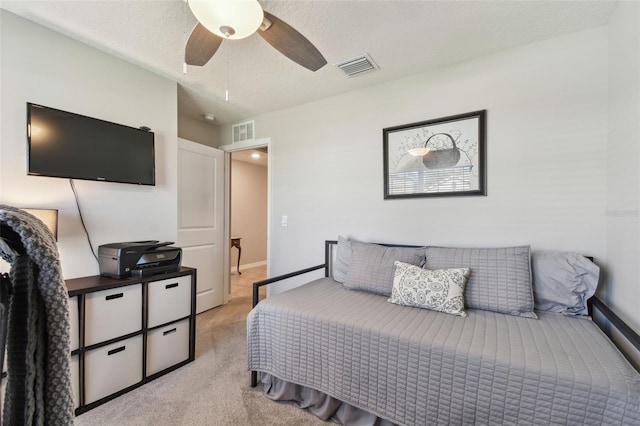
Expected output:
{"points": [[168, 286], [114, 296], [116, 350], [173, 330]]}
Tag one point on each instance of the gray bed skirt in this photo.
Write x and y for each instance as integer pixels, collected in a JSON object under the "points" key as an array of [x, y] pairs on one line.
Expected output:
{"points": [[318, 403]]}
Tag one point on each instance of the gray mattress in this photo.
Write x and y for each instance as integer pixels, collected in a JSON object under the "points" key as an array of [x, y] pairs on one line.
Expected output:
{"points": [[416, 367]]}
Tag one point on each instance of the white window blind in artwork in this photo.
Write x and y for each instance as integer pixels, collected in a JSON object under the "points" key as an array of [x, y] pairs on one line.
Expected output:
{"points": [[452, 179]]}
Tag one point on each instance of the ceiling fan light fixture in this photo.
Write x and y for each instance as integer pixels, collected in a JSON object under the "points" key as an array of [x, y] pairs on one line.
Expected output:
{"points": [[232, 19]]}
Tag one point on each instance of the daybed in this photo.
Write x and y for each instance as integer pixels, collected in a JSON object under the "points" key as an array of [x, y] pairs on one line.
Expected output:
{"points": [[338, 347]]}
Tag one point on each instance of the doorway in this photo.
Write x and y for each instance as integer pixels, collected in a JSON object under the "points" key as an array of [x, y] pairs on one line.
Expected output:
{"points": [[249, 173], [248, 217]]}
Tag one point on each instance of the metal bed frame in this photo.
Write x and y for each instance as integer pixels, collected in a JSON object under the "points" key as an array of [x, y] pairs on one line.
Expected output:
{"points": [[623, 336]]}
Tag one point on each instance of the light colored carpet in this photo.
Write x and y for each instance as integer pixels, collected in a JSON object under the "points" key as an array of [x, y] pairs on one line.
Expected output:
{"points": [[212, 390]]}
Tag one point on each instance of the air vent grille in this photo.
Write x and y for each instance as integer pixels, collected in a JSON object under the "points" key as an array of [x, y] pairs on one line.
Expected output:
{"points": [[243, 131], [358, 65]]}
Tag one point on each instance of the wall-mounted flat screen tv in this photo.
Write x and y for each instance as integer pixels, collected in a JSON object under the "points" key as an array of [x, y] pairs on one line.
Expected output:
{"points": [[68, 145]]}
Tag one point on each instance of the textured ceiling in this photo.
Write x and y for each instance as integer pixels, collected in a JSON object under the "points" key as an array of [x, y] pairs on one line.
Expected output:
{"points": [[403, 38]]}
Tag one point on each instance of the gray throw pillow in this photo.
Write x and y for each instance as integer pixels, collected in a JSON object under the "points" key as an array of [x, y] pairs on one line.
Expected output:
{"points": [[343, 257], [500, 279], [563, 281], [372, 266]]}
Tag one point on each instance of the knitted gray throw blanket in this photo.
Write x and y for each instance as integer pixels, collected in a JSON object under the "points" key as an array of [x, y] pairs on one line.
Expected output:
{"points": [[38, 344]]}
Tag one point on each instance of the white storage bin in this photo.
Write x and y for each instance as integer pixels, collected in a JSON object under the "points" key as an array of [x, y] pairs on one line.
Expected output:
{"points": [[112, 368], [112, 313], [167, 346], [75, 323], [169, 300], [75, 380]]}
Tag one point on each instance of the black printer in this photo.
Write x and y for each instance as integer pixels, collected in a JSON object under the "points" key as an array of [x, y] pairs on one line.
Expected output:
{"points": [[138, 258]]}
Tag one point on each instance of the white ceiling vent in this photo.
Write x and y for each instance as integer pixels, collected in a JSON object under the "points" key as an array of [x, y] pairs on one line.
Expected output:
{"points": [[358, 65], [243, 131]]}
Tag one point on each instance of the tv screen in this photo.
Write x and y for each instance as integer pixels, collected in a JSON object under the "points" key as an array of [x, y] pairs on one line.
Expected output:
{"points": [[63, 144]]}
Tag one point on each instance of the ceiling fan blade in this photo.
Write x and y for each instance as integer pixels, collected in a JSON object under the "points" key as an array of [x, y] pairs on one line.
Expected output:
{"points": [[201, 46], [292, 44]]}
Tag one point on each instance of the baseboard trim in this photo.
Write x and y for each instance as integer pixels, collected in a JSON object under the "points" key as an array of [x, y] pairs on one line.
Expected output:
{"points": [[249, 266]]}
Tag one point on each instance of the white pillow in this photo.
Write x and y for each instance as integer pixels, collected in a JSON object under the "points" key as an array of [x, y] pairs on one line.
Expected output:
{"points": [[439, 290], [563, 281]]}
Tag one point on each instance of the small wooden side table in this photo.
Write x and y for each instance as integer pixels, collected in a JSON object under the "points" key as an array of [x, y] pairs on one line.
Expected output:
{"points": [[235, 242]]}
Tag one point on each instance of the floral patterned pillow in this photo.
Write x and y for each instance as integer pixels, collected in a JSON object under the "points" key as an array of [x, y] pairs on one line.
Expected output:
{"points": [[438, 290]]}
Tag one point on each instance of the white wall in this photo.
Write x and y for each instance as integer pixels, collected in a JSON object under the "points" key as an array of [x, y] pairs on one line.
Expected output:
{"points": [[622, 288], [198, 131], [546, 146], [249, 211], [42, 66]]}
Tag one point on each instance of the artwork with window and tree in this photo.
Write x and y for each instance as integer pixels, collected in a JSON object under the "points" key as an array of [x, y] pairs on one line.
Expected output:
{"points": [[439, 157]]}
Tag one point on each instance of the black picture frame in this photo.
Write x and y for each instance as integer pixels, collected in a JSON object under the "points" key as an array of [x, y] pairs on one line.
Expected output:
{"points": [[442, 157]]}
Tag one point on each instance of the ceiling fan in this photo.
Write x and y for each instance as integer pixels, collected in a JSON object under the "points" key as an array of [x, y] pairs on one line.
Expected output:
{"points": [[236, 19]]}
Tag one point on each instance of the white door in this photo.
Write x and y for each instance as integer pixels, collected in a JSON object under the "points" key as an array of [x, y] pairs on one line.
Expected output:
{"points": [[201, 218]]}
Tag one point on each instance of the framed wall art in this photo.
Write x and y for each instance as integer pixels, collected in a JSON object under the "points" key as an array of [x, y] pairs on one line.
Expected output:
{"points": [[436, 158]]}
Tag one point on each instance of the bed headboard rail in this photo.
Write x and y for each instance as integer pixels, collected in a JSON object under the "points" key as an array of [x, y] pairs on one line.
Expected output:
{"points": [[619, 332], [330, 250]]}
